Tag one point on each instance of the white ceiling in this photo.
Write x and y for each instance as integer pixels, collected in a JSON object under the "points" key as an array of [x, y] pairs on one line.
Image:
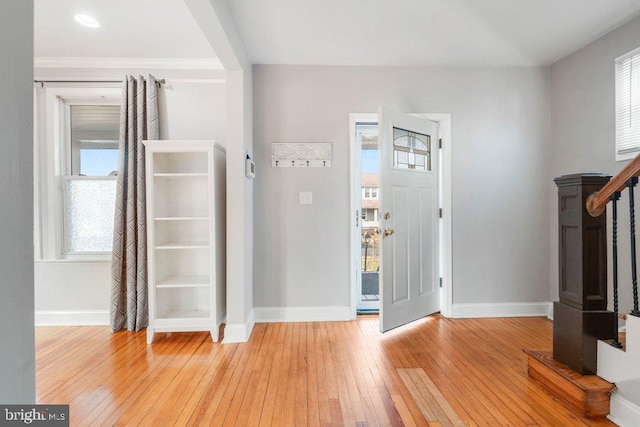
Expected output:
{"points": [[423, 32], [129, 29], [338, 32]]}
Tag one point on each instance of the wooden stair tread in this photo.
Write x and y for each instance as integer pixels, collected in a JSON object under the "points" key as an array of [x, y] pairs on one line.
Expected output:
{"points": [[589, 394], [584, 382]]}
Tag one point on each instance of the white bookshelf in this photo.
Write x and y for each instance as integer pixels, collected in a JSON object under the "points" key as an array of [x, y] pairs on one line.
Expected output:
{"points": [[186, 236]]}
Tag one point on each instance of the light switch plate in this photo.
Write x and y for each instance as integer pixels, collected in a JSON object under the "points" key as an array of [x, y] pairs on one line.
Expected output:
{"points": [[306, 197]]}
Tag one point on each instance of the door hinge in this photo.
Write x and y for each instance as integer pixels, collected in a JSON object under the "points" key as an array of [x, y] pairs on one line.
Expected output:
{"points": [[357, 218], [441, 282], [440, 213], [440, 143]]}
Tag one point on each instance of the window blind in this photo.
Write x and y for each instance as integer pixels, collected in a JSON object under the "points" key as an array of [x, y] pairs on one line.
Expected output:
{"points": [[628, 105]]}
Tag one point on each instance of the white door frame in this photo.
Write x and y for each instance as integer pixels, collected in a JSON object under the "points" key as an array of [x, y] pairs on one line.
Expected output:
{"points": [[444, 119]]}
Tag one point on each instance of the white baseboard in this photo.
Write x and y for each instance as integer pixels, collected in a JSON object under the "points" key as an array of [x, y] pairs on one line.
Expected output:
{"points": [[238, 332], [222, 318], [301, 314], [509, 309], [72, 318], [623, 412]]}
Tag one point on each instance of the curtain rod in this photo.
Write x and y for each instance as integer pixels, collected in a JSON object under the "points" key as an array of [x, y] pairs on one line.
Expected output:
{"points": [[160, 82]]}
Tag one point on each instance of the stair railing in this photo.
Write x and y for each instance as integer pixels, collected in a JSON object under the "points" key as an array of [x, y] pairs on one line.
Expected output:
{"points": [[596, 205]]}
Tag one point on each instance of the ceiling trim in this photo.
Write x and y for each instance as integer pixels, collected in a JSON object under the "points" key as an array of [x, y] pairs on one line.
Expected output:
{"points": [[102, 62]]}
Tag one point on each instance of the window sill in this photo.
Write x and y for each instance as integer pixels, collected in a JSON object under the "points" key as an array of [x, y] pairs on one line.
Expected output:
{"points": [[75, 259], [626, 156]]}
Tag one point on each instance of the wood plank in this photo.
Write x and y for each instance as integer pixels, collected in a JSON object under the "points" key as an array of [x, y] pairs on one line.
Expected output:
{"points": [[256, 394], [317, 374], [451, 362], [209, 374], [403, 404], [243, 396], [425, 403], [515, 379], [159, 376], [313, 406], [180, 370], [220, 408], [268, 407], [301, 384], [587, 393], [501, 354], [379, 406], [441, 402]]}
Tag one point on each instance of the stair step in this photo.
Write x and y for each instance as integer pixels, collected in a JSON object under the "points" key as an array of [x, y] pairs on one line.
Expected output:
{"points": [[622, 339], [614, 364], [589, 394]]}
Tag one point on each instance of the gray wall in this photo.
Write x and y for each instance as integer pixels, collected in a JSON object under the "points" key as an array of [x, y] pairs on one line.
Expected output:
{"points": [[17, 358], [583, 130], [500, 167]]}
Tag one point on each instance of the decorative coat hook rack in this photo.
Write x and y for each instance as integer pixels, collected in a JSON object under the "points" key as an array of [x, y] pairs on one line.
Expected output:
{"points": [[301, 155]]}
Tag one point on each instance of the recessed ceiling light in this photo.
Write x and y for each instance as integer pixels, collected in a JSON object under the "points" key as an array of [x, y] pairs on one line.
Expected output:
{"points": [[87, 21]]}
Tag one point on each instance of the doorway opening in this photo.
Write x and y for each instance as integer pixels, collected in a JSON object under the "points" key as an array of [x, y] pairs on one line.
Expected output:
{"points": [[365, 147]]}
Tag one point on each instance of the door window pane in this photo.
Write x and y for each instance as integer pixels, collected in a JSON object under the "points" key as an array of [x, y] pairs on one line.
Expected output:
{"points": [[411, 150]]}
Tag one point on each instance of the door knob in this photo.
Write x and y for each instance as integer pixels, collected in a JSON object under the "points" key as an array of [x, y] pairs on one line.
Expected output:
{"points": [[388, 231]]}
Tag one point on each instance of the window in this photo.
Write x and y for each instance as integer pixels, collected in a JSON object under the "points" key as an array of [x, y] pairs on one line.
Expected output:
{"points": [[76, 152], [369, 214], [94, 140], [628, 105], [370, 192], [91, 165]]}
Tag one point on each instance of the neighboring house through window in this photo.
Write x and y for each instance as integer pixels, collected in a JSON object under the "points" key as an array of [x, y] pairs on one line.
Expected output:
{"points": [[370, 201]]}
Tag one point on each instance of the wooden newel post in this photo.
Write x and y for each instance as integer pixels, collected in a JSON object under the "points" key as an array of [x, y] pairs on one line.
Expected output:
{"points": [[580, 317]]}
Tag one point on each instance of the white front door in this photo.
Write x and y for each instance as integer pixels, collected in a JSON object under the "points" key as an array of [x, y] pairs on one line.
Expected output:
{"points": [[410, 286]]}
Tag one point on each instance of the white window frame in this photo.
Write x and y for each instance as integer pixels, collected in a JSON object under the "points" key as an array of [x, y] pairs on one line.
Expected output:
{"points": [[627, 138], [368, 193], [52, 159]]}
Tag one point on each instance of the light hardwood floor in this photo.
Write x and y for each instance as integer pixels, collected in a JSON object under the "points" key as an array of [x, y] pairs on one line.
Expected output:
{"points": [[435, 371]]}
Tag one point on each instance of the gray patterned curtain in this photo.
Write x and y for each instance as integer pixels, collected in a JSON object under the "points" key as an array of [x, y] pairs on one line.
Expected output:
{"points": [[138, 122]]}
